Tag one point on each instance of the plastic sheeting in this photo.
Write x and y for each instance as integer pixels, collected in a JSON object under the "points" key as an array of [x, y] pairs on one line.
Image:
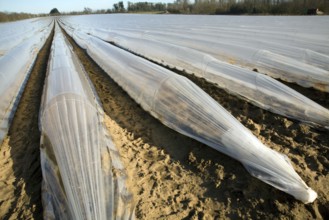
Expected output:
{"points": [[269, 62], [292, 70], [15, 67], [260, 89], [294, 49], [83, 177], [297, 32], [13, 33], [233, 43], [184, 107]]}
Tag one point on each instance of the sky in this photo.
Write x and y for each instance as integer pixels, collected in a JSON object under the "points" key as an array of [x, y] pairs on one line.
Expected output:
{"points": [[44, 6]]}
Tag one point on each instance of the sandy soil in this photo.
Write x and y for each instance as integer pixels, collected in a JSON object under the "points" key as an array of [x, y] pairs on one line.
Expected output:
{"points": [[173, 176], [20, 179]]}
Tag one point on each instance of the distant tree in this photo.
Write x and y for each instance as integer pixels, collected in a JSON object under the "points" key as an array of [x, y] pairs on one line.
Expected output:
{"points": [[121, 6], [146, 7], [100, 11], [87, 10], [118, 7], [54, 11], [160, 7]]}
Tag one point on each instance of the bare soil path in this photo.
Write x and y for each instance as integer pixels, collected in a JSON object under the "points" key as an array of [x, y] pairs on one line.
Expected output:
{"points": [[20, 179]]}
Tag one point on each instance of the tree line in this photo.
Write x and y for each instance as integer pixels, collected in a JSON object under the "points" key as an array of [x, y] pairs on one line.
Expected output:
{"points": [[234, 7], [146, 6], [139, 7]]}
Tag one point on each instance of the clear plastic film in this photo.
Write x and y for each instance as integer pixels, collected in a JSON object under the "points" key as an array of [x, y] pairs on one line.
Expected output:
{"points": [[298, 53], [267, 93], [15, 68], [235, 38], [184, 107], [230, 46], [257, 88], [298, 32], [14, 33], [285, 67], [83, 177], [292, 70]]}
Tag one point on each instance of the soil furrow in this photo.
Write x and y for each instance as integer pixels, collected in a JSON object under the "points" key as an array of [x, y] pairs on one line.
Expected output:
{"points": [[21, 175]]}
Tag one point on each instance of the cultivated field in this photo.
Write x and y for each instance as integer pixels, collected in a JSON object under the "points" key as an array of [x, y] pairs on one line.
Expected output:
{"points": [[175, 95]]}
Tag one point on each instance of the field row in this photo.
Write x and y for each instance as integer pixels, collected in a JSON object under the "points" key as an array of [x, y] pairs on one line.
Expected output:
{"points": [[94, 152]]}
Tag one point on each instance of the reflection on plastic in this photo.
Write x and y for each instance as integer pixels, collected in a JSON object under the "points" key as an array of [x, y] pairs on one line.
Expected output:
{"points": [[14, 33], [15, 68], [298, 46], [83, 177], [257, 88], [292, 70], [184, 107]]}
